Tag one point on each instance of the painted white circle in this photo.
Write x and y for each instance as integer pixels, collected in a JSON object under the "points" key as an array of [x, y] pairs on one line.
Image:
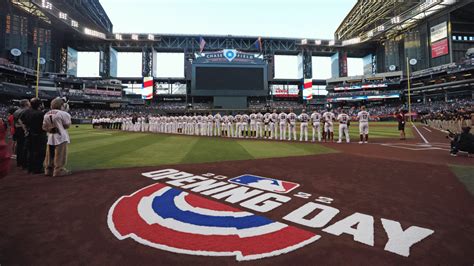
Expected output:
{"points": [[413, 61], [392, 67]]}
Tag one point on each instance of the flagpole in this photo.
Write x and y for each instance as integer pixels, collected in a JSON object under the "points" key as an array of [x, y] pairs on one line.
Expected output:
{"points": [[409, 89], [37, 71]]}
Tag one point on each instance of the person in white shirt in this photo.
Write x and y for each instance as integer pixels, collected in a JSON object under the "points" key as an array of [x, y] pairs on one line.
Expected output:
{"points": [[304, 118], [363, 117], [316, 119], [273, 124], [328, 118], [343, 126], [55, 123], [292, 117], [282, 119], [217, 122]]}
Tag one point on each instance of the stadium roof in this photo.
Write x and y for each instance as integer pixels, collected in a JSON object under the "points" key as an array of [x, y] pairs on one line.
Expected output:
{"points": [[89, 12], [368, 14]]}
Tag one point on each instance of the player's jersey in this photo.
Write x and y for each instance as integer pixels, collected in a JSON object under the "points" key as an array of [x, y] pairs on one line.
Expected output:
{"points": [[328, 117], [231, 118], [253, 118], [267, 118], [343, 118], [282, 117], [316, 117], [363, 116], [259, 117], [225, 119], [210, 118], [238, 118], [273, 117], [304, 118], [245, 118], [217, 118], [292, 118]]}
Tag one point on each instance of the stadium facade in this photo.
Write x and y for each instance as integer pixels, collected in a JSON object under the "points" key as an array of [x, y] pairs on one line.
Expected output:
{"points": [[434, 35]]}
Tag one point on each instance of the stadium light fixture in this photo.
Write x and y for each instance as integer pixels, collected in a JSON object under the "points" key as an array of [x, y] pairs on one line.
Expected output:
{"points": [[94, 33], [62, 15], [304, 41], [332, 42], [151, 37], [118, 36], [74, 23], [318, 42], [46, 4], [134, 37], [395, 20]]}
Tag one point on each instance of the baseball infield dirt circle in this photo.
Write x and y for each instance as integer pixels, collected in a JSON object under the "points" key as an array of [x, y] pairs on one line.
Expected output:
{"points": [[396, 208]]}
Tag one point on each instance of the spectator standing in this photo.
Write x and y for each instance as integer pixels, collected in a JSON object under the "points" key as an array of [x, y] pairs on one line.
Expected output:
{"points": [[11, 125], [55, 123], [4, 154], [401, 124], [21, 158], [36, 138]]}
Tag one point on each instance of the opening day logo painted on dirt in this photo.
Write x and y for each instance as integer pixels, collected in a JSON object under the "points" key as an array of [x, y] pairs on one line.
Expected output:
{"points": [[167, 217]]}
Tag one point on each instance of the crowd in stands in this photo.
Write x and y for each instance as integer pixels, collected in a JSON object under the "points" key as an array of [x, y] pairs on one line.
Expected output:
{"points": [[363, 93]]}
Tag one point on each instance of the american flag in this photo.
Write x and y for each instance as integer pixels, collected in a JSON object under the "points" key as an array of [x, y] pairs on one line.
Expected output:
{"points": [[202, 44]]}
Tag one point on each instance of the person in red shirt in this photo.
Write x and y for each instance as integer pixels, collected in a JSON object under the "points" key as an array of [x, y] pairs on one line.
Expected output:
{"points": [[11, 125], [401, 124], [4, 153]]}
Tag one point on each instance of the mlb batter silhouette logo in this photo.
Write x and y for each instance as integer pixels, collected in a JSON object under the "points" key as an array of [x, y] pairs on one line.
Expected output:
{"points": [[170, 219], [265, 183]]}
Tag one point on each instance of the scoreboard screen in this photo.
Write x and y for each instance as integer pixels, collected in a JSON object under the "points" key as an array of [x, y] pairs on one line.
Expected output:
{"points": [[230, 78]]}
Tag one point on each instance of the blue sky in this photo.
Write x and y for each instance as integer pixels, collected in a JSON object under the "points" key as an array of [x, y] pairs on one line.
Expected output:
{"points": [[276, 18]]}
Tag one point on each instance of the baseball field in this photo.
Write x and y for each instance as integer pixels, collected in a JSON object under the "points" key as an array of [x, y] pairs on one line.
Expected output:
{"points": [[141, 199]]}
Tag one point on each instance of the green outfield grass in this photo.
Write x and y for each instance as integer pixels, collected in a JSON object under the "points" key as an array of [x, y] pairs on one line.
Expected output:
{"points": [[98, 149]]}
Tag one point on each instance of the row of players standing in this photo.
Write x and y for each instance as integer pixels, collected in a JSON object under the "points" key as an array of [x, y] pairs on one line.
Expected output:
{"points": [[273, 125]]}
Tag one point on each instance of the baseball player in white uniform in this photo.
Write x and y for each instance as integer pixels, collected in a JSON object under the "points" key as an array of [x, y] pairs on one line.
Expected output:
{"points": [[292, 117], [273, 124], [328, 118], [282, 120], [210, 125], [315, 121], [217, 122], [259, 125], [267, 117], [253, 124], [238, 126], [343, 126], [304, 118], [363, 117], [245, 125]]}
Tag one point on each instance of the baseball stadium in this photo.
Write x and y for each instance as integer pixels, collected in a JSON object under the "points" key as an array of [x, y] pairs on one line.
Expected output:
{"points": [[245, 145]]}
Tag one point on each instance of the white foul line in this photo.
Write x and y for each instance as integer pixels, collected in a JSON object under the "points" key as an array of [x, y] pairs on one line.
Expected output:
{"points": [[427, 129], [421, 135]]}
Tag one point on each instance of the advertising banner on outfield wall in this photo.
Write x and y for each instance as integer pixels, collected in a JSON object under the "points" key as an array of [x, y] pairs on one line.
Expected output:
{"points": [[284, 91]]}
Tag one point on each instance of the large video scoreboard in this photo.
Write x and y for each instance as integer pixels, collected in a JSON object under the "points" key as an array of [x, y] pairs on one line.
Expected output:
{"points": [[229, 73]]}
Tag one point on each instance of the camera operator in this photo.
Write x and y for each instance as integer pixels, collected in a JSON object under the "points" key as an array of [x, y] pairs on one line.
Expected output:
{"points": [[462, 142], [36, 138], [56, 122]]}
